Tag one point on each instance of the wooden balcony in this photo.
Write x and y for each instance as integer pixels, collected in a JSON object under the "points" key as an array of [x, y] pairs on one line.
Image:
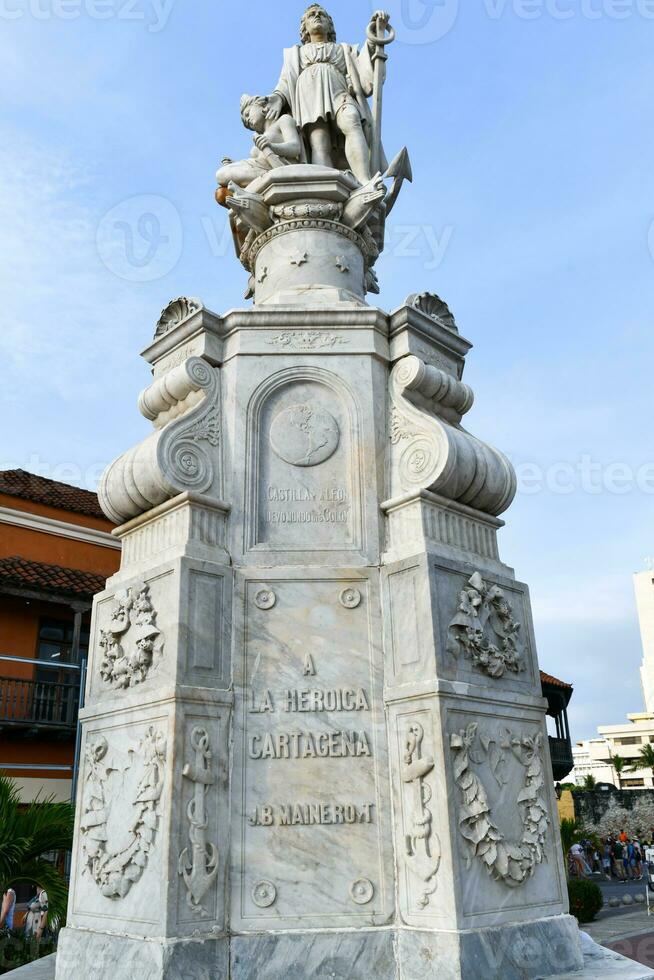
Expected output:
{"points": [[30, 707], [562, 760]]}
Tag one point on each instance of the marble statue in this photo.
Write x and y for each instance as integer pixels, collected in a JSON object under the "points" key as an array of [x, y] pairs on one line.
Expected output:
{"points": [[317, 159], [313, 740], [277, 143], [325, 86]]}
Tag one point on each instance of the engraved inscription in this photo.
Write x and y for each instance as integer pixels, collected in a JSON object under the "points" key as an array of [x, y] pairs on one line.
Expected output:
{"points": [[324, 505], [338, 699], [310, 814], [312, 753], [307, 745]]}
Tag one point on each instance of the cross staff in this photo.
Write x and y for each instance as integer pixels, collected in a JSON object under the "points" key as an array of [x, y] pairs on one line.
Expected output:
{"points": [[379, 39]]}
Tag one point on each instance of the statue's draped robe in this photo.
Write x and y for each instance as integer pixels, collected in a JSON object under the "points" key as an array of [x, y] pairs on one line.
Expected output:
{"points": [[317, 80]]}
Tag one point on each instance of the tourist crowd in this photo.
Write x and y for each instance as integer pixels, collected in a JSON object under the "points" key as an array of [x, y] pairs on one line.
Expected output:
{"points": [[618, 856]]}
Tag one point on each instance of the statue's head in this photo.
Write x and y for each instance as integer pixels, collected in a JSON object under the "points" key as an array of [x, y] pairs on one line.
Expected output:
{"points": [[315, 19], [253, 112]]}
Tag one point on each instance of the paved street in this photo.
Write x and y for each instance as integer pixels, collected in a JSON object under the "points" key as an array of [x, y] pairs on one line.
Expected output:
{"points": [[628, 929], [615, 889]]}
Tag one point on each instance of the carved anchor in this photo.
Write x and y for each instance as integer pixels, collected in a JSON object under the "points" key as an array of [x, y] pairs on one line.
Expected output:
{"points": [[201, 867], [422, 840]]}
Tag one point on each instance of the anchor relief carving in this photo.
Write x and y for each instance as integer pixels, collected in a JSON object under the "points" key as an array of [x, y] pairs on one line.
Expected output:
{"points": [[423, 852], [198, 865]]}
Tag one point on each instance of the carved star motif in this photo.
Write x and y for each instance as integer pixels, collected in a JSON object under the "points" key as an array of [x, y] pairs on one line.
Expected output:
{"points": [[299, 258], [263, 275], [341, 263]]}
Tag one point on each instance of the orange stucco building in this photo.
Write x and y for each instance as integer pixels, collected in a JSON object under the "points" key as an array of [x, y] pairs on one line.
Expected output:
{"points": [[56, 550]]}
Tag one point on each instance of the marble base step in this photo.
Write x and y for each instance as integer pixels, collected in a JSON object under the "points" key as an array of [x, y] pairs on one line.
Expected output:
{"points": [[599, 962]]}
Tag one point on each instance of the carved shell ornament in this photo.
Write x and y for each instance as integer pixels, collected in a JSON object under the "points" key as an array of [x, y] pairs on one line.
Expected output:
{"points": [[176, 312], [435, 307], [128, 644], [484, 629], [508, 861], [115, 871]]}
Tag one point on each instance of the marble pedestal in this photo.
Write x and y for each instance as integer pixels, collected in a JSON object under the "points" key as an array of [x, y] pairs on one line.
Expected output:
{"points": [[314, 739]]}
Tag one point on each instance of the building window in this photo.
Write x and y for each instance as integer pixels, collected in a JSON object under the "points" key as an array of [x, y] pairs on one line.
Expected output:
{"points": [[631, 740], [632, 783], [56, 640]]}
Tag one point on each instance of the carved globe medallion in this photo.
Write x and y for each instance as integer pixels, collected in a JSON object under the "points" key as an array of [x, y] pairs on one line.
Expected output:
{"points": [[304, 435]]}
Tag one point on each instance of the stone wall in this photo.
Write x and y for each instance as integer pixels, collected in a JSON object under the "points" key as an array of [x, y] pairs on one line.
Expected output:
{"points": [[592, 805]]}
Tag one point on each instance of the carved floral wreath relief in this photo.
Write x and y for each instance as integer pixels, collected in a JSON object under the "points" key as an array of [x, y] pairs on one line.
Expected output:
{"points": [[485, 630], [509, 861], [115, 870], [128, 644]]}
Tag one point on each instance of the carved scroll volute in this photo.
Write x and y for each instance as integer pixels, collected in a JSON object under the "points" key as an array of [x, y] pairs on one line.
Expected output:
{"points": [[181, 454], [429, 448]]}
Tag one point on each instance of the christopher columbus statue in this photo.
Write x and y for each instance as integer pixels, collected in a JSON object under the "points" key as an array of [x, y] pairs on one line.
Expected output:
{"points": [[324, 87]]}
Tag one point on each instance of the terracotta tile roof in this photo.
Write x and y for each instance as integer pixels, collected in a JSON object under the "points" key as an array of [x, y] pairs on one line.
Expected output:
{"points": [[554, 681], [37, 575], [29, 486]]}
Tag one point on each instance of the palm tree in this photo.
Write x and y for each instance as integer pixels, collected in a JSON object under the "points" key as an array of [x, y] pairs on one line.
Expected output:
{"points": [[645, 760], [27, 833], [619, 765], [589, 781]]}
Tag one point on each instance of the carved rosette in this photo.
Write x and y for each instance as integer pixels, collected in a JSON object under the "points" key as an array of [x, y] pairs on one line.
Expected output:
{"points": [[128, 645], [115, 872], [184, 407], [511, 862], [484, 629], [429, 448]]}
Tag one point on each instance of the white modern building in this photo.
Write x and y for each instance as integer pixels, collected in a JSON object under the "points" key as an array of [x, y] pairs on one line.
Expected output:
{"points": [[593, 756], [644, 588]]}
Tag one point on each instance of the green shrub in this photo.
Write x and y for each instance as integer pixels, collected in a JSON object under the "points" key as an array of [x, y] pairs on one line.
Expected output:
{"points": [[585, 899], [16, 950]]}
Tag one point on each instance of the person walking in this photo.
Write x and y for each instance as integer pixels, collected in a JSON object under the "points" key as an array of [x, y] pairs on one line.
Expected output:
{"points": [[638, 861], [627, 858], [618, 864], [578, 861], [7, 910], [606, 859], [37, 914]]}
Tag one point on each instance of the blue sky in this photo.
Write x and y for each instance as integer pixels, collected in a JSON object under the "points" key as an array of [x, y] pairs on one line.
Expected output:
{"points": [[529, 124]]}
